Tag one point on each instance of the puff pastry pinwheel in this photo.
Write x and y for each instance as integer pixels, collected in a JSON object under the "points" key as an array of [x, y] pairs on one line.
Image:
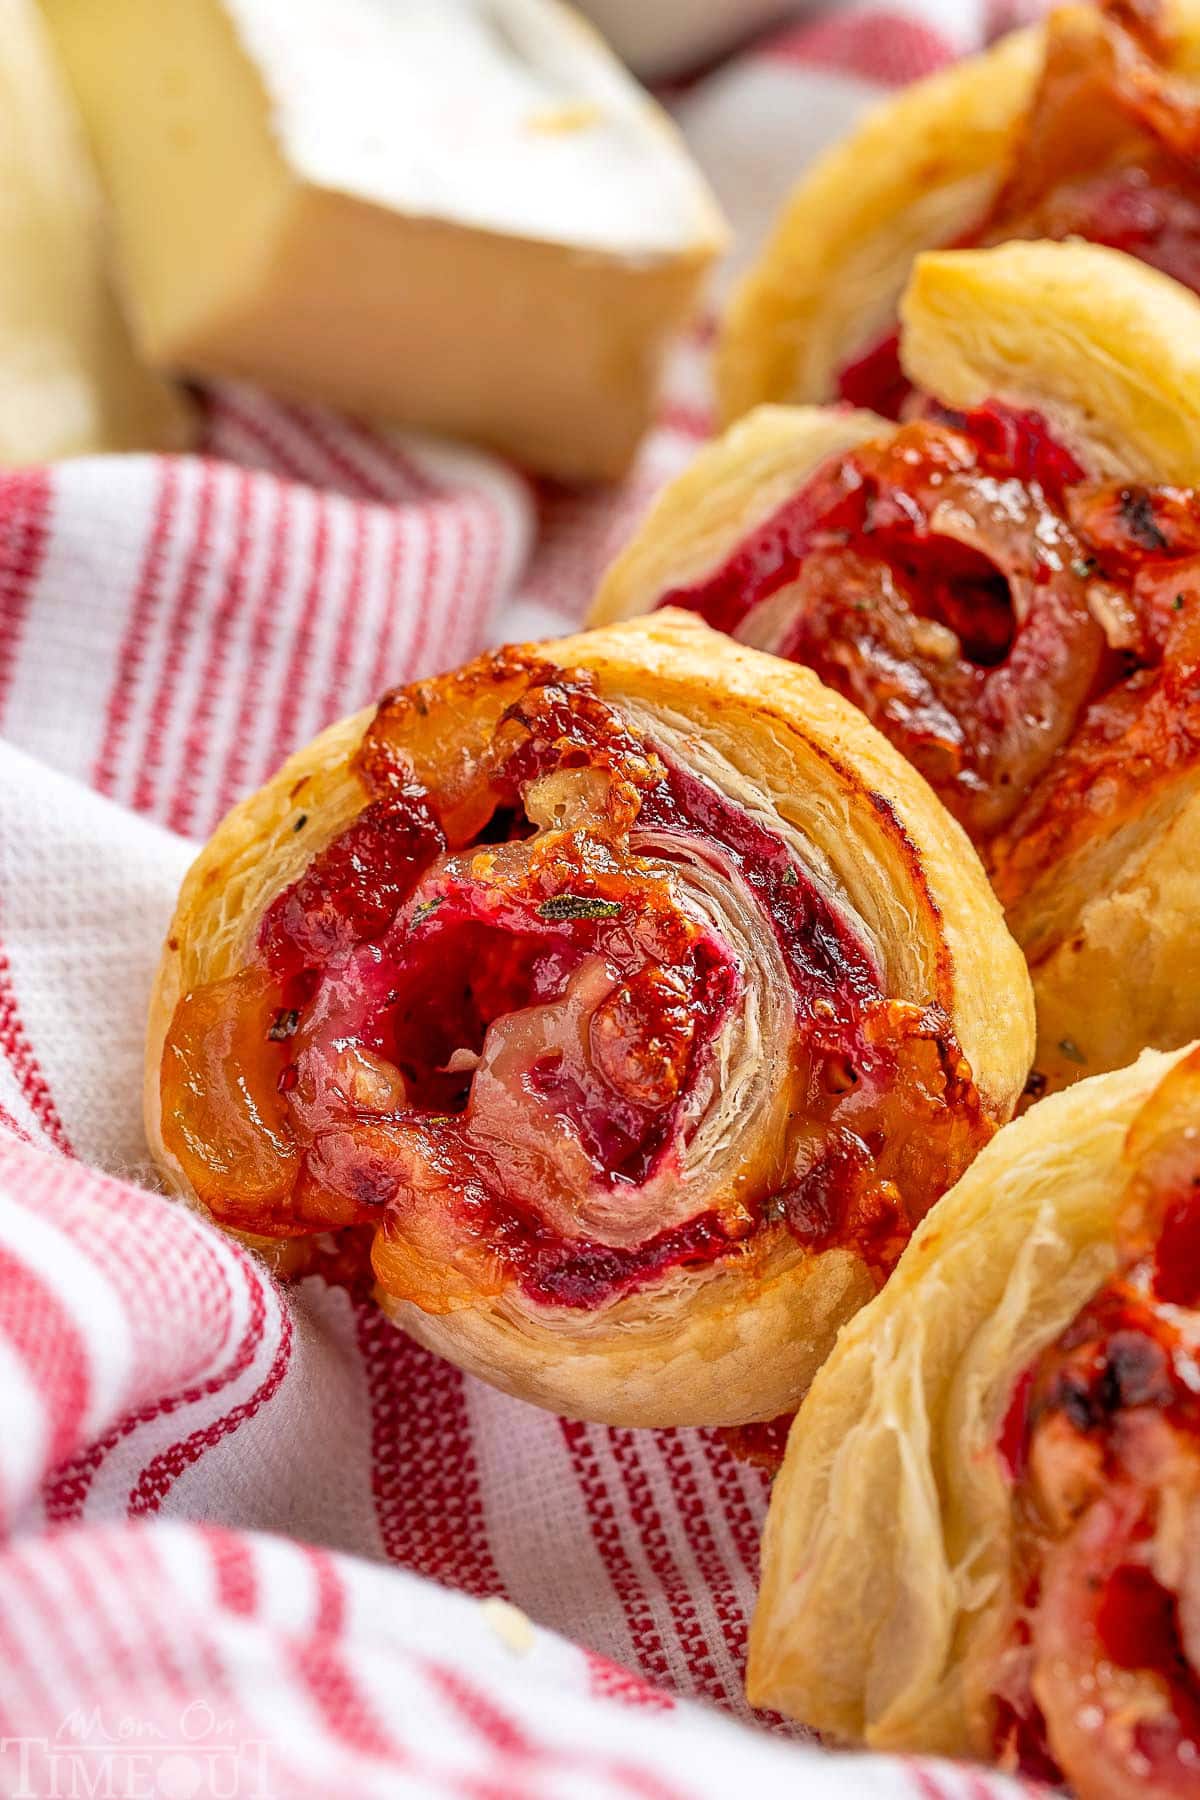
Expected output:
{"points": [[985, 1538], [1009, 587], [630, 995], [1087, 126]]}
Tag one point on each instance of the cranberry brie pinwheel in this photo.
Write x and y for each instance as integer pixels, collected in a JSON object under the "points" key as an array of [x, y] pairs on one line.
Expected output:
{"points": [[1087, 126], [985, 1539], [1009, 587], [628, 997]]}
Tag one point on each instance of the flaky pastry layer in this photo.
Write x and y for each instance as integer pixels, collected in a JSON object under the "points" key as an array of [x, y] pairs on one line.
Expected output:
{"points": [[720, 1344]]}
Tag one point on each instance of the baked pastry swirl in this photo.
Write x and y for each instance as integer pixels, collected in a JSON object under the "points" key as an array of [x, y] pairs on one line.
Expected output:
{"points": [[1087, 126], [1008, 585], [629, 995], [985, 1536]]}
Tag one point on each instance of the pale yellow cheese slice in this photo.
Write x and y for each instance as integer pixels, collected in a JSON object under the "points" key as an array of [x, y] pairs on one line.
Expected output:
{"points": [[69, 379], [461, 214]]}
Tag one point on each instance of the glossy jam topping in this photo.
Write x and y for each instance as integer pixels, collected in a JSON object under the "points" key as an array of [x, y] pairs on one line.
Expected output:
{"points": [[883, 499], [1029, 641], [940, 590], [862, 1058], [1109, 146], [824, 956], [875, 378], [1141, 727], [1109, 152], [486, 1020], [763, 1444], [1101, 1445], [351, 891]]}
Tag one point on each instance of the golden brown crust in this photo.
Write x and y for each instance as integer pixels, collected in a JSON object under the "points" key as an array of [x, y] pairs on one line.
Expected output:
{"points": [[1108, 351], [701, 1355], [919, 172], [886, 1557], [692, 1351], [1112, 943], [733, 484]]}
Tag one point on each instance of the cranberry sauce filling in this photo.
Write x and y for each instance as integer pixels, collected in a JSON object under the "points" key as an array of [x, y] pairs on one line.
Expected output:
{"points": [[1019, 444], [570, 979], [762, 1445], [611, 1068], [860, 502], [467, 956], [584, 1274], [1142, 725], [875, 378], [351, 891], [1151, 213], [824, 958], [1101, 1446], [864, 1057], [1108, 153], [460, 958], [931, 579], [1029, 641], [486, 1000], [1013, 1436]]}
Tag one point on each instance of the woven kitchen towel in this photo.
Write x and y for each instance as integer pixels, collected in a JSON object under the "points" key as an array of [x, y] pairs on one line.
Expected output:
{"points": [[230, 1517]]}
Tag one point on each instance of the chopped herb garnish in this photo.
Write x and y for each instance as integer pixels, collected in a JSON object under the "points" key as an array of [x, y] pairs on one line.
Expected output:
{"points": [[1177, 602], [301, 822], [1071, 1050], [1083, 566], [426, 908], [1137, 514], [284, 1024], [578, 906], [790, 877]]}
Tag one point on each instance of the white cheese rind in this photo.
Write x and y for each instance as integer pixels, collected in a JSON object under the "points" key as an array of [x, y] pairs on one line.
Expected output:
{"points": [[509, 118], [70, 383], [459, 214]]}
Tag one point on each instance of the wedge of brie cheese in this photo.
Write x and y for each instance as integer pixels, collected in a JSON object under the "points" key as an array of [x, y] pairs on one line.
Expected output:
{"points": [[69, 379], [459, 214]]}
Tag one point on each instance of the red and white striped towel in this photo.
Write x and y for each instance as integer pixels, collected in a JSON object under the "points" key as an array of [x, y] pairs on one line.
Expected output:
{"points": [[230, 1517]]}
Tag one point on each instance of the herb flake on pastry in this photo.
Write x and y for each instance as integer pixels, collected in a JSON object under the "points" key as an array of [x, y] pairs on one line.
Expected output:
{"points": [[983, 1540], [631, 1018]]}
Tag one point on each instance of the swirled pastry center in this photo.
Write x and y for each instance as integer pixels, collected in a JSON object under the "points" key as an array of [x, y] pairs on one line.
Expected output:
{"points": [[1109, 152], [1100, 1681], [1029, 641], [546, 1014]]}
